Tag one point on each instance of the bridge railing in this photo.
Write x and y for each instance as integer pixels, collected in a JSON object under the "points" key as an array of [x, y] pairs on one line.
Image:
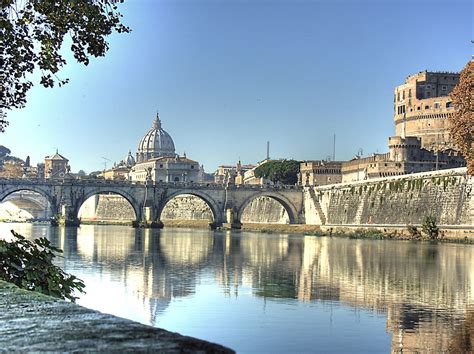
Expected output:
{"points": [[118, 183]]}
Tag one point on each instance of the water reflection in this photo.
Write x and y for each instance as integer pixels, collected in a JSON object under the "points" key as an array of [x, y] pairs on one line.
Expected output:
{"points": [[424, 292]]}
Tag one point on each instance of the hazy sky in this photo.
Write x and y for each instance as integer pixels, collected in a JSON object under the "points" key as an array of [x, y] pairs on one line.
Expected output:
{"points": [[226, 76]]}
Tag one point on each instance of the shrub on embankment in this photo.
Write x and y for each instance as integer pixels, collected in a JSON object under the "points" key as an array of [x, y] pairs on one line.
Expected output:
{"points": [[29, 265]]}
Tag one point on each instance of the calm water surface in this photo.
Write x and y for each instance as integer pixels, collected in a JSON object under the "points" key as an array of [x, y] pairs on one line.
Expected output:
{"points": [[275, 293]]}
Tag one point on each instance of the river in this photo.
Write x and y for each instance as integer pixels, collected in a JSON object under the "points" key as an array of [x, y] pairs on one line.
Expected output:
{"points": [[275, 293]]}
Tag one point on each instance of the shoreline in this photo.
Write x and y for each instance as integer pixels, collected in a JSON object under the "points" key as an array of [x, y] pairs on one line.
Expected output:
{"points": [[447, 233]]}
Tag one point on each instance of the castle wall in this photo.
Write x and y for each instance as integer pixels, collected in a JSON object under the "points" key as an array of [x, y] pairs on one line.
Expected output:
{"points": [[400, 200]]}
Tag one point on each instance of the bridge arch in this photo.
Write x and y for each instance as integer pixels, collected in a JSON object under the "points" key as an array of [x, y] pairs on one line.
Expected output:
{"points": [[282, 200], [127, 196], [53, 203], [216, 211]]}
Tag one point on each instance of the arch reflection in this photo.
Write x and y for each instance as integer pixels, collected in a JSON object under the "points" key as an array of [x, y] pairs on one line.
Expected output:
{"points": [[425, 291]]}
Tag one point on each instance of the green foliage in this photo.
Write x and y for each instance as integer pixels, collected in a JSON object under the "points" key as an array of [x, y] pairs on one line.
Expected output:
{"points": [[33, 32], [29, 265], [284, 171], [430, 228]]}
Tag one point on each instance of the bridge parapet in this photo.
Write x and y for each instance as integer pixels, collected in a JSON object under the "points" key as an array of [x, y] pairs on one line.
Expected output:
{"points": [[148, 199]]}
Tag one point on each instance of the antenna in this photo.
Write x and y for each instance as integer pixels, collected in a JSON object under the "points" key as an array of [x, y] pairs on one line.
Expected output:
{"points": [[334, 148], [268, 150], [105, 162]]}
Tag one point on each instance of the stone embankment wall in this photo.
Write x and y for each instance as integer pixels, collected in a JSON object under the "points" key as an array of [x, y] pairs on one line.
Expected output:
{"points": [[107, 207], [401, 200], [186, 207], [265, 210], [260, 210]]}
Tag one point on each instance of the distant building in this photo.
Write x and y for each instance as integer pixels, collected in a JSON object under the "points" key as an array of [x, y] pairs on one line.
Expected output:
{"points": [[223, 171], [405, 156], [205, 177], [56, 166], [121, 170], [239, 174], [320, 173], [245, 174], [40, 170], [422, 107], [166, 169], [156, 160]]}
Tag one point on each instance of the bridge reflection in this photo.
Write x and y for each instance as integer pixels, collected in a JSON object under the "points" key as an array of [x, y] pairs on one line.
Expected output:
{"points": [[426, 291]]}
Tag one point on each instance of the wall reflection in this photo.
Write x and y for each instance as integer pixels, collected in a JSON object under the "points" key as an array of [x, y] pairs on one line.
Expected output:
{"points": [[426, 291]]}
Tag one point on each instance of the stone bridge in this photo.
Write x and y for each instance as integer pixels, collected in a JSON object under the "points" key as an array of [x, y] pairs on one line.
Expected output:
{"points": [[148, 200]]}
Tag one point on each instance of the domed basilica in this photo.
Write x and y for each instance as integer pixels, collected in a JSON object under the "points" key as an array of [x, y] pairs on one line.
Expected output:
{"points": [[156, 160]]}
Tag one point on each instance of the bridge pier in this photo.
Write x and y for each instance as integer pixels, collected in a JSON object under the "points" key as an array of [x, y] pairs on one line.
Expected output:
{"points": [[68, 216], [233, 219], [150, 219]]}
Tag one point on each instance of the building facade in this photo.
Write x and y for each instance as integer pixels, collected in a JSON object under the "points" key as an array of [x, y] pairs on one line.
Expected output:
{"points": [[156, 160], [422, 107], [320, 173], [405, 155], [56, 166]]}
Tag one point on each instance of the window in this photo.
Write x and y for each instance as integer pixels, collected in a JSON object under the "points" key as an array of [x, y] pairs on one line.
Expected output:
{"points": [[176, 179], [403, 95], [428, 94], [449, 104], [161, 165], [427, 107], [192, 166], [444, 87], [436, 105]]}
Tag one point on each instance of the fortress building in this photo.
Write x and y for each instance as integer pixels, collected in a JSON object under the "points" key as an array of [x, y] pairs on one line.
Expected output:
{"points": [[421, 142], [319, 173], [422, 107]]}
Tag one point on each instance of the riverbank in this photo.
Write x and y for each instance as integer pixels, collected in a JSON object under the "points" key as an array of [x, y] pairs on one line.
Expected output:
{"points": [[397, 232], [455, 234], [30, 321]]}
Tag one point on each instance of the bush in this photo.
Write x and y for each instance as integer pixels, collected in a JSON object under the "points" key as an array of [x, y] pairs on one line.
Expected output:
{"points": [[29, 265], [430, 228], [414, 232]]}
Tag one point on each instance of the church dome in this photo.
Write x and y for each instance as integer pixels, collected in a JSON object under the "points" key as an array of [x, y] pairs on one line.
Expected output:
{"points": [[129, 161], [155, 143]]}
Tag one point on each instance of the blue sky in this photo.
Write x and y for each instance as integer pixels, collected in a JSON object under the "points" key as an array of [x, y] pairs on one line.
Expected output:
{"points": [[229, 75]]}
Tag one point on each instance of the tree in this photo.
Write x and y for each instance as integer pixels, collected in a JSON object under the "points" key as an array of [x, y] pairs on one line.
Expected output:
{"points": [[30, 265], [32, 33], [462, 121], [284, 171], [12, 169]]}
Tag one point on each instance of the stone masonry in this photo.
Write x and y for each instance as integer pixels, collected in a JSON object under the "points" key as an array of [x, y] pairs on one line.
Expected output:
{"points": [[400, 200], [33, 322]]}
